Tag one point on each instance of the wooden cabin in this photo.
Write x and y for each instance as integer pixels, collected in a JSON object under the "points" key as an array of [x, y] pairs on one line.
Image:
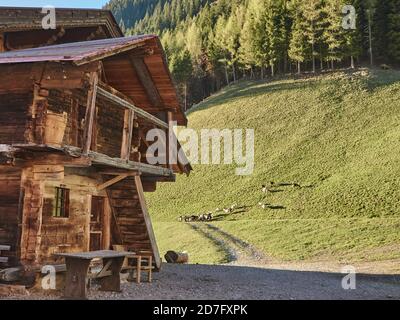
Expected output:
{"points": [[21, 28], [73, 164]]}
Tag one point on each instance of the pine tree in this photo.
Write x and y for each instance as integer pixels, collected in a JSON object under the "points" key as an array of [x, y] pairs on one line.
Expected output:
{"points": [[381, 29], [298, 49], [231, 35], [313, 26], [393, 34], [334, 33], [275, 32], [247, 50]]}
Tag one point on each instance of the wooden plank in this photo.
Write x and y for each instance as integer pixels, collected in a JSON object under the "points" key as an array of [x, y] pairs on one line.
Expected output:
{"points": [[149, 226], [3, 260], [5, 248], [111, 182], [145, 78], [170, 138], [127, 135], [102, 159], [90, 113], [126, 104]]}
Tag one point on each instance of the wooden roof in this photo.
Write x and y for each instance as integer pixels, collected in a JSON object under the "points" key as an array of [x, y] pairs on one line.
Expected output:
{"points": [[14, 19], [136, 66]]}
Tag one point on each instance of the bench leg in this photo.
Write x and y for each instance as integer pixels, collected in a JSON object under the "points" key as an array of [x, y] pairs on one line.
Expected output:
{"points": [[76, 279], [113, 282]]}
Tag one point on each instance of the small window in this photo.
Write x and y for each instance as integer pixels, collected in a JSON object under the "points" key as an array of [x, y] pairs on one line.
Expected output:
{"points": [[61, 209]]}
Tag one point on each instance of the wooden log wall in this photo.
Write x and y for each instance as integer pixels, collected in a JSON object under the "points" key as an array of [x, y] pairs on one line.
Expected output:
{"points": [[110, 126], [70, 234], [10, 180], [13, 109]]}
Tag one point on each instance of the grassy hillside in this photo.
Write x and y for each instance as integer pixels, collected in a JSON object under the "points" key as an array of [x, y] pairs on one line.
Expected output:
{"points": [[337, 136]]}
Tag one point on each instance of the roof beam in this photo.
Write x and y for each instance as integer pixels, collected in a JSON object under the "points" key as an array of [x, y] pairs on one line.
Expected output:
{"points": [[147, 81], [55, 37]]}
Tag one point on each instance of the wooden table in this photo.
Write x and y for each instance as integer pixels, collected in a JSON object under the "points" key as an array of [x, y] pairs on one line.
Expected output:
{"points": [[78, 267]]}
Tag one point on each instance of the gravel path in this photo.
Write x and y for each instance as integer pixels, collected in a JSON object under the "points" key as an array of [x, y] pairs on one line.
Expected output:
{"points": [[252, 275], [181, 282]]}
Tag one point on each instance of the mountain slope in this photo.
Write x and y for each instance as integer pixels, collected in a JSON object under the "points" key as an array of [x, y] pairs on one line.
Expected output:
{"points": [[337, 136]]}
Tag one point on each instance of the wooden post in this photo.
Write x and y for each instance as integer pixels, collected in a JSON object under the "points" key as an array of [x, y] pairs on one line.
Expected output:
{"points": [[74, 123], [127, 135], [106, 241], [2, 45], [90, 113], [170, 138], [146, 216]]}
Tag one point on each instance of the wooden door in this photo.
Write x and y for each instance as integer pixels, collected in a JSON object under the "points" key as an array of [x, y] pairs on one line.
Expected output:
{"points": [[96, 223]]}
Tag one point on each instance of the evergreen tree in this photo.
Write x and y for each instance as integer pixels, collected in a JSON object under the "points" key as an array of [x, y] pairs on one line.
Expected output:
{"points": [[334, 33], [298, 49], [393, 34], [313, 26]]}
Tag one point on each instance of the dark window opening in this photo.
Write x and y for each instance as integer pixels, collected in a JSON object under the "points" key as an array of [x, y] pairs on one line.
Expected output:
{"points": [[61, 209]]}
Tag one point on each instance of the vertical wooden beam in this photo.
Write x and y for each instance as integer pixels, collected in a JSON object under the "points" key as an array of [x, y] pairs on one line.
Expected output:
{"points": [[2, 45], [90, 113], [170, 138], [127, 135], [146, 216], [106, 241], [74, 123]]}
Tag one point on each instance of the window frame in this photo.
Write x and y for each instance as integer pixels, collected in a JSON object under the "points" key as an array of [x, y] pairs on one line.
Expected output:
{"points": [[62, 202]]}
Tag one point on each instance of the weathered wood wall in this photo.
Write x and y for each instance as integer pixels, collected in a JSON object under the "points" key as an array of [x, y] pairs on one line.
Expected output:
{"points": [[13, 109], [70, 234], [10, 180], [109, 124], [42, 234]]}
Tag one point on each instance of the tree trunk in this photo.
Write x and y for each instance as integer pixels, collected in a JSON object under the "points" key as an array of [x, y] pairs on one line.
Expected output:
{"points": [[234, 72], [185, 96], [285, 64], [352, 62], [176, 257], [298, 67], [226, 74], [313, 58], [371, 56], [272, 70], [262, 72]]}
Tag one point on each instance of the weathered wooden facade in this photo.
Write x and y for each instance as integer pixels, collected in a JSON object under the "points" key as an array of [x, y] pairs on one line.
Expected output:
{"points": [[74, 116]]}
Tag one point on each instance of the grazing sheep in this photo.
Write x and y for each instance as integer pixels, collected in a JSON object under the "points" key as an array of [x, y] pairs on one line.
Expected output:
{"points": [[209, 216], [265, 188]]}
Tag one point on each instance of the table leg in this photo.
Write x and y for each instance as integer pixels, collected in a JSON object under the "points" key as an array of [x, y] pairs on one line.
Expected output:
{"points": [[113, 282], [76, 278], [150, 279], [138, 269]]}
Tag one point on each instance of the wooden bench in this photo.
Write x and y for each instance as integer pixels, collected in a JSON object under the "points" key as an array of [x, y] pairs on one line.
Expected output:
{"points": [[136, 263], [4, 248], [77, 277]]}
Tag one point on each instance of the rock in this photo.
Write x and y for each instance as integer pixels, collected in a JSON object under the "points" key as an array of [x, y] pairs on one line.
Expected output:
{"points": [[8, 290]]}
